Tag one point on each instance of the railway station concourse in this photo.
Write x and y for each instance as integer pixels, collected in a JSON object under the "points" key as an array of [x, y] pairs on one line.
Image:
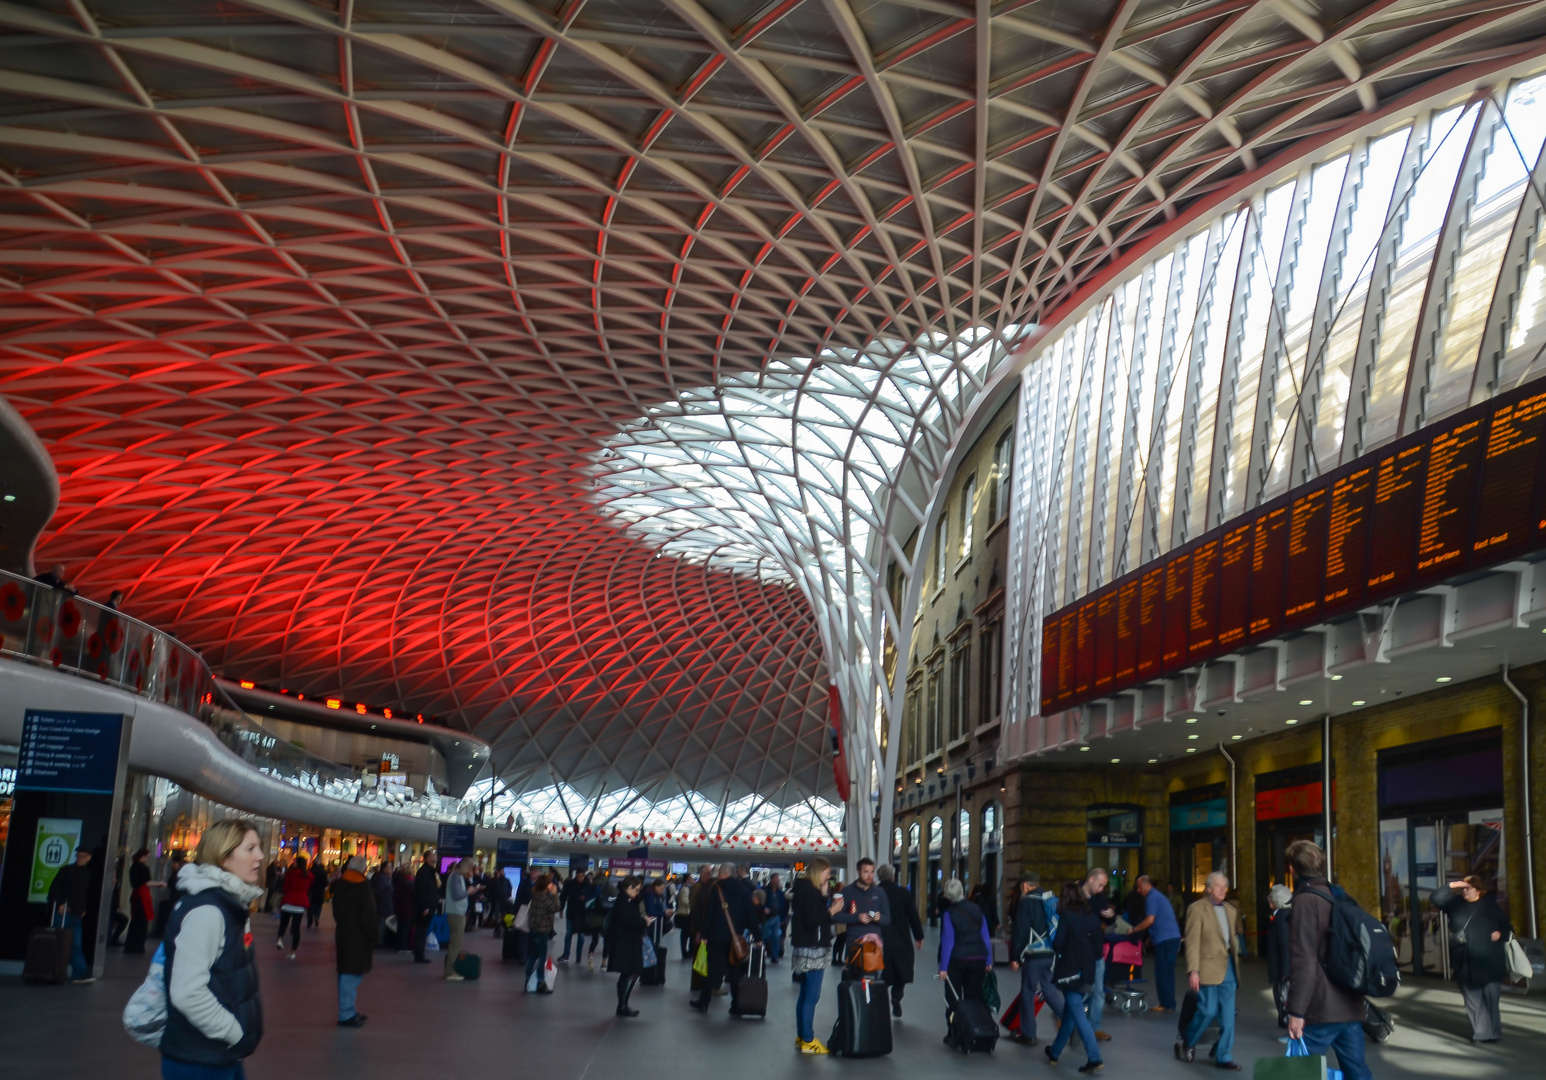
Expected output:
{"points": [[991, 440]]}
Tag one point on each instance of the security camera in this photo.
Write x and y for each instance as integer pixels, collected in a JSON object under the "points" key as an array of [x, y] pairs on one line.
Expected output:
{"points": [[1223, 712]]}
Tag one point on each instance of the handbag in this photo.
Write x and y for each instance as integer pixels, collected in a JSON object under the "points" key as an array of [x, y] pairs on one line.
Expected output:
{"points": [[650, 959], [738, 950], [1519, 967], [990, 996], [144, 1017], [523, 918]]}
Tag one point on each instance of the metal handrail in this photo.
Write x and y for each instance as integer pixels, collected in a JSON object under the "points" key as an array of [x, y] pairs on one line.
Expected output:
{"points": [[57, 628]]}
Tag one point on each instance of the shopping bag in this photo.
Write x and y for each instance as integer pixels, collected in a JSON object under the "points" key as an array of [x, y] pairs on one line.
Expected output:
{"points": [[523, 918], [650, 959], [144, 1017], [440, 927], [1519, 967], [1298, 1064], [700, 963], [550, 974], [533, 981], [990, 996], [431, 942]]}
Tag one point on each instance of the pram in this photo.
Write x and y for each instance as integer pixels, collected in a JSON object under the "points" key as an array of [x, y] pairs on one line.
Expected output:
{"points": [[1125, 951]]}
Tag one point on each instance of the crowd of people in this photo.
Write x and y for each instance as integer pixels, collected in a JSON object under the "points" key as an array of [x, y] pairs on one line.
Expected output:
{"points": [[1060, 944]]}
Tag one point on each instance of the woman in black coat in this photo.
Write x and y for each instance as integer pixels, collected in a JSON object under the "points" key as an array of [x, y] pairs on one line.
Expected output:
{"points": [[625, 941], [1075, 948], [1281, 899], [900, 938], [1478, 937]]}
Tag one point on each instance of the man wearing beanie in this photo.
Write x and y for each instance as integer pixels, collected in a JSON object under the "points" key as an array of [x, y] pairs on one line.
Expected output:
{"points": [[354, 930]]}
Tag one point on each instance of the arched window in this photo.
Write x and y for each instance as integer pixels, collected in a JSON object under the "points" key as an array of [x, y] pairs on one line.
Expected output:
{"points": [[963, 846], [993, 846], [896, 848], [936, 837], [913, 848], [912, 839]]}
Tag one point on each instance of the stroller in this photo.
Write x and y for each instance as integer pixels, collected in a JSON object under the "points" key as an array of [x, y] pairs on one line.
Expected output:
{"points": [[1125, 951]]}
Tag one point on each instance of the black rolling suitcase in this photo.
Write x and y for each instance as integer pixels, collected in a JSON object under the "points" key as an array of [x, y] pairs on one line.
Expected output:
{"points": [[863, 1026], [513, 950], [48, 956], [751, 997], [972, 1027]]}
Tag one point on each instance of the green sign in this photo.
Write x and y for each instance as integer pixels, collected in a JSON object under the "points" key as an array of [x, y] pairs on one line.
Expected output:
{"points": [[57, 840]]}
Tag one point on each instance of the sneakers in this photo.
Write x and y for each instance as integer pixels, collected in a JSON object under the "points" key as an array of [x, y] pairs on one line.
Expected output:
{"points": [[1184, 1052], [562, 960], [1051, 1059], [1092, 1066], [454, 977], [592, 959], [279, 944], [292, 956], [84, 980], [813, 1047], [355, 1021]]}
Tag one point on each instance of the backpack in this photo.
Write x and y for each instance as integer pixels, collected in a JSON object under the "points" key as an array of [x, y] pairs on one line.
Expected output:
{"points": [[1359, 953], [1039, 946], [144, 1017]]}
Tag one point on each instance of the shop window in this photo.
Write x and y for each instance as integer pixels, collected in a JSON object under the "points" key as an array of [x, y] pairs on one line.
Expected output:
{"points": [[1114, 842]]}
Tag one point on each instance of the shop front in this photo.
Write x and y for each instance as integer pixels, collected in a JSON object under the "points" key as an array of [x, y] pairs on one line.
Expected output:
{"points": [[1441, 819], [1114, 842], [1289, 807], [1199, 838]]}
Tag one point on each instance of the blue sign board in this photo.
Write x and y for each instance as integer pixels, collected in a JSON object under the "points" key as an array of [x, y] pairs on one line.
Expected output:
{"points": [[69, 751], [456, 840], [639, 853], [1212, 814], [508, 852]]}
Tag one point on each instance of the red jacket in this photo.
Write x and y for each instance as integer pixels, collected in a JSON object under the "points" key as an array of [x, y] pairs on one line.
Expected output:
{"points": [[297, 888]]}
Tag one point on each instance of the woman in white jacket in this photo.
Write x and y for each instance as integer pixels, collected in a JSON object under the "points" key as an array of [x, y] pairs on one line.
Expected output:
{"points": [[214, 1013]]}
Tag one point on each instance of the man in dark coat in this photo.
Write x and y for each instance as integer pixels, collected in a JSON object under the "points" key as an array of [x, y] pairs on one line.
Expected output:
{"points": [[426, 898], [1322, 1013], [725, 909], [381, 889], [900, 937], [354, 932]]}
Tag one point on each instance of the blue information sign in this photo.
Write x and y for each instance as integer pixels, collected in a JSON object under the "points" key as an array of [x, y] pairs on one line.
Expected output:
{"points": [[69, 751], [509, 852], [459, 840]]}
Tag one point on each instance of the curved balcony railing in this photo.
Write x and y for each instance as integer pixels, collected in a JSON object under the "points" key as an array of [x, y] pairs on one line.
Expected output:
{"points": [[54, 627]]}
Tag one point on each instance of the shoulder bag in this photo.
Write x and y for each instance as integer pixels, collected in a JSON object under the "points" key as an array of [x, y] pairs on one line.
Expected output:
{"points": [[738, 950]]}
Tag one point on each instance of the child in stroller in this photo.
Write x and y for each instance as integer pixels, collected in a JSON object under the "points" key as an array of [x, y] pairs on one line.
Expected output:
{"points": [[1124, 965]]}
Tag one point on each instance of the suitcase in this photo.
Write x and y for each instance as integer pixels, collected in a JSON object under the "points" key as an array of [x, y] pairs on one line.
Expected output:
{"points": [[468, 965], [863, 1027], [513, 950], [972, 1027], [751, 998], [48, 956]]}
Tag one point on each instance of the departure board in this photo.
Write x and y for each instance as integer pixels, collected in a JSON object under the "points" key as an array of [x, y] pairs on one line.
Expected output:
{"points": [[1053, 692], [1129, 597], [1203, 607], [1347, 540], [1449, 497], [1067, 653], [1269, 556], [1508, 521], [1234, 586], [1105, 639], [1177, 613], [1084, 646], [1398, 477], [1306, 565], [1151, 605]]}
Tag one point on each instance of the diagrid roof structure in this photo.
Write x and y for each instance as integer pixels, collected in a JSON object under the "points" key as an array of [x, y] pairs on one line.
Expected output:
{"points": [[564, 367]]}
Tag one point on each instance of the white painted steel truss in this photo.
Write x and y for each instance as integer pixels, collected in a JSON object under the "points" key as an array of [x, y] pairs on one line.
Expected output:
{"points": [[341, 319]]}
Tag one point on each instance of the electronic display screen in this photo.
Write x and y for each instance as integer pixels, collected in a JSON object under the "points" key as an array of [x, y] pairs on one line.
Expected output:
{"points": [[1507, 523], [1393, 519], [1234, 586], [1067, 656], [1269, 555], [1177, 612], [1203, 607], [1151, 606], [1449, 493], [1084, 648], [1129, 597], [1053, 690], [1105, 639], [1306, 563], [1347, 540]]}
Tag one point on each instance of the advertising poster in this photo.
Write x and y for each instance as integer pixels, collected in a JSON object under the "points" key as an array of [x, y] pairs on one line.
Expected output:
{"points": [[55, 847]]}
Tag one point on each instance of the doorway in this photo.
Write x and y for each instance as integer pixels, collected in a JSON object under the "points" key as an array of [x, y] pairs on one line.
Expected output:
{"points": [[936, 867], [1422, 853]]}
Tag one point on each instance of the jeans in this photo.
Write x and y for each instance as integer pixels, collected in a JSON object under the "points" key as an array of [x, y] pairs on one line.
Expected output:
{"points": [[78, 968], [1347, 1040], [1165, 971], [453, 944], [1037, 975], [805, 1007], [573, 928], [1074, 1021], [420, 932], [536, 956], [1097, 998], [773, 938], [348, 990], [1218, 1003], [182, 1070]]}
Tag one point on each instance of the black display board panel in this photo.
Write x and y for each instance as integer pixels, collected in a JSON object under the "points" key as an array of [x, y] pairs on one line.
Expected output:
{"points": [[1508, 497], [1105, 639], [1305, 562], [1129, 597], [1151, 610], [1203, 606], [1177, 614], [1235, 586], [1347, 539]]}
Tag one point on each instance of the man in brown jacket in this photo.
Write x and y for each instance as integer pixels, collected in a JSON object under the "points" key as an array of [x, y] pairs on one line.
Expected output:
{"points": [[1212, 959], [1323, 1014]]}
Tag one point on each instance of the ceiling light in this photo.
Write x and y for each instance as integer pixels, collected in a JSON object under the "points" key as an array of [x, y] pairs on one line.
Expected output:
{"points": [[1307, 701], [1194, 736], [1191, 749], [1115, 760], [1291, 720], [1236, 738], [333, 703], [1442, 678], [1336, 678], [1191, 719], [1357, 703], [1082, 749], [1154, 761], [10, 498]]}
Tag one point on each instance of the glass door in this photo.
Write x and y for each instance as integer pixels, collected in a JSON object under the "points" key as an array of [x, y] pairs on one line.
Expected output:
{"points": [[1444, 848]]}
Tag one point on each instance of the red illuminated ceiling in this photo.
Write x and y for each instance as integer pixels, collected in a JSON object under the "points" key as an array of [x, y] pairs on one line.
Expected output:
{"points": [[322, 309]]}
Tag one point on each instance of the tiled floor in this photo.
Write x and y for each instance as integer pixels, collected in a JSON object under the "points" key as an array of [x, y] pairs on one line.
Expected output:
{"points": [[422, 1027]]}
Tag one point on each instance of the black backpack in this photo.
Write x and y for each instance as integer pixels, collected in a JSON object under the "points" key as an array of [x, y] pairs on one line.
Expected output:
{"points": [[1359, 953]]}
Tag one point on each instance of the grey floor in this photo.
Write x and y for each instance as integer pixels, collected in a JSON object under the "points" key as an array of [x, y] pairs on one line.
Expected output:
{"points": [[421, 1026]]}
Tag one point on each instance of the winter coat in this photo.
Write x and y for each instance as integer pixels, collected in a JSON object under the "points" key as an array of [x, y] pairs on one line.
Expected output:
{"points": [[1278, 937], [426, 890], [214, 1014], [1076, 946], [1311, 994], [402, 898], [319, 885], [737, 903], [381, 889], [297, 887], [354, 916], [1477, 960], [899, 935], [810, 920], [964, 935], [544, 906], [625, 938]]}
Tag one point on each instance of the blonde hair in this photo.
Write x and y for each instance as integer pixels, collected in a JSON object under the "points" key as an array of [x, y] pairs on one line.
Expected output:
{"points": [[814, 868], [222, 838]]}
